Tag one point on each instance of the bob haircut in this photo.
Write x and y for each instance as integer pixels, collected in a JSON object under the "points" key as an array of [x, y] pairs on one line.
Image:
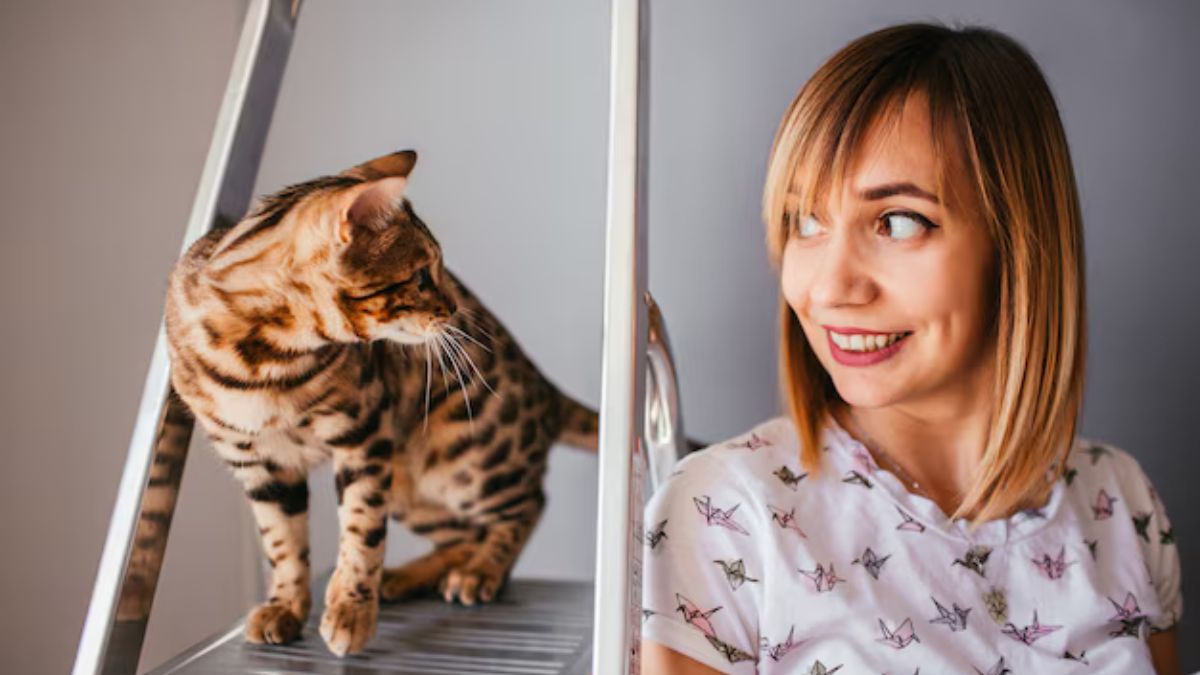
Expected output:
{"points": [[986, 88]]}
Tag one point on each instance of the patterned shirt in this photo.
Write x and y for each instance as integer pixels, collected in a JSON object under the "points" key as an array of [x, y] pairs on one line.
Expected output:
{"points": [[753, 566]]}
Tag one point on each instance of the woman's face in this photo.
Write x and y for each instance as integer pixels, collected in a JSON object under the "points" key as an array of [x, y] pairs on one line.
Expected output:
{"points": [[892, 288]]}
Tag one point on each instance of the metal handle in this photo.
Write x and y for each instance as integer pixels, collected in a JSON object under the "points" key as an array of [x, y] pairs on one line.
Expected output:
{"points": [[665, 441]]}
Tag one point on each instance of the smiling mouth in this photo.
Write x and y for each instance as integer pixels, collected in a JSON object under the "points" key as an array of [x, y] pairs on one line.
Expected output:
{"points": [[866, 342]]}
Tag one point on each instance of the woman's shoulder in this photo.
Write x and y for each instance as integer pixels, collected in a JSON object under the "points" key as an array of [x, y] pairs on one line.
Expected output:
{"points": [[742, 457], [1105, 473]]}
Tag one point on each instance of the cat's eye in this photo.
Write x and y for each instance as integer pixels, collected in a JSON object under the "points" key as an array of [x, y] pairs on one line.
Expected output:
{"points": [[424, 280]]}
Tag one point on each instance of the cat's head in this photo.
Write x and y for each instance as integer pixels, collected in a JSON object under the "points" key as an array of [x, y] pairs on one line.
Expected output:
{"points": [[353, 248], [388, 265]]}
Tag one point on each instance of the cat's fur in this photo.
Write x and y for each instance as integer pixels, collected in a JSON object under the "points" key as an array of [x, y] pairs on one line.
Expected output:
{"points": [[306, 333]]}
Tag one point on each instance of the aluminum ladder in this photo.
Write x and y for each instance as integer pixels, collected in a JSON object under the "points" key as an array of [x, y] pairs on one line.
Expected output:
{"points": [[534, 626]]}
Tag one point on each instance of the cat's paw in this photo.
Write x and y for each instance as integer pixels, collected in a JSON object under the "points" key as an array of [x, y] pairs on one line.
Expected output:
{"points": [[272, 624], [469, 585], [347, 625]]}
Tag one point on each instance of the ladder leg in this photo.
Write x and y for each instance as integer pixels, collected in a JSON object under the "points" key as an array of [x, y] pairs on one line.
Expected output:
{"points": [[119, 610]]}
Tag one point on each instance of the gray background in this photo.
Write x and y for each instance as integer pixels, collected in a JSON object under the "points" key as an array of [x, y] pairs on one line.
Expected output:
{"points": [[107, 116]]}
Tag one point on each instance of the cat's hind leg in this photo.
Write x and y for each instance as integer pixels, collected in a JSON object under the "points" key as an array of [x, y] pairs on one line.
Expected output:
{"points": [[454, 542], [505, 527]]}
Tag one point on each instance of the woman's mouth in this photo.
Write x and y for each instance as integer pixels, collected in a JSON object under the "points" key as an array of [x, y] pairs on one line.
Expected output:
{"points": [[860, 348]]}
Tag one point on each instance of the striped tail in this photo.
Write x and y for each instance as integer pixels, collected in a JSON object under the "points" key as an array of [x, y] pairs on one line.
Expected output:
{"points": [[580, 424]]}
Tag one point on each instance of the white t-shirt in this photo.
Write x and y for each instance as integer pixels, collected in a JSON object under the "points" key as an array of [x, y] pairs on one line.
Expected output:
{"points": [[752, 566]]}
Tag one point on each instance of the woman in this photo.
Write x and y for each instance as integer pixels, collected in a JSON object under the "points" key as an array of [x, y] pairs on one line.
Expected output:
{"points": [[921, 208]]}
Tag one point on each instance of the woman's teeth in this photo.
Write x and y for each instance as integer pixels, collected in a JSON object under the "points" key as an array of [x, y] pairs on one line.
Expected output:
{"points": [[865, 343]]}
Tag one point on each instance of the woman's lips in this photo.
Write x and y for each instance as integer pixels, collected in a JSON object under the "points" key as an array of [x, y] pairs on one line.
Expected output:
{"points": [[849, 358]]}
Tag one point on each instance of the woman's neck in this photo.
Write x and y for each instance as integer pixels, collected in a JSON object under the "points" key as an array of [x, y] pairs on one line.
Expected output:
{"points": [[937, 444]]}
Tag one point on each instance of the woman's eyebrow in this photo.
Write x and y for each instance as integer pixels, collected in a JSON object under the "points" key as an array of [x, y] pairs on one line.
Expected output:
{"points": [[891, 189]]}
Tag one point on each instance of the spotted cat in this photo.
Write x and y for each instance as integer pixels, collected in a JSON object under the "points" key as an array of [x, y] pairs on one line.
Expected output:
{"points": [[316, 329]]}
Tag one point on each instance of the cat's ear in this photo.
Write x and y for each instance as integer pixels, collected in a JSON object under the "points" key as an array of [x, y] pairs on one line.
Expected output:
{"points": [[396, 165], [372, 207]]}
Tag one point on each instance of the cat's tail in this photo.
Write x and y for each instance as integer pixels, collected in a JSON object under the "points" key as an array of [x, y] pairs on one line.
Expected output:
{"points": [[580, 424]]}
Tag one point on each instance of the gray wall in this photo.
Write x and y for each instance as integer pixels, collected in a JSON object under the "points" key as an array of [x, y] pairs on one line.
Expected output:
{"points": [[107, 115], [506, 105], [107, 112]]}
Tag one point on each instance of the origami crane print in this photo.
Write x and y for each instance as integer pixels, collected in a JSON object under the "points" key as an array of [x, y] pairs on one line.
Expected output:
{"points": [[786, 519], [856, 478], [975, 560], [1091, 544], [1069, 474], [871, 562], [1129, 615], [654, 537], [899, 638], [735, 573], [1053, 568], [1141, 522], [695, 616], [1076, 657], [778, 651], [1029, 634], [1096, 452], [823, 580], [819, 668], [955, 619], [729, 651], [997, 604], [714, 516], [788, 478], [754, 442], [1166, 536], [909, 524], [1103, 508]]}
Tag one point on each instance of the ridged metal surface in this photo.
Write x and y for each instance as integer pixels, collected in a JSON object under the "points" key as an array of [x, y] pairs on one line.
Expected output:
{"points": [[535, 627]]}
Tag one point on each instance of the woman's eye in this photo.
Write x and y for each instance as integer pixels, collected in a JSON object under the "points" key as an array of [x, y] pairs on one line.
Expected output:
{"points": [[903, 225], [808, 227]]}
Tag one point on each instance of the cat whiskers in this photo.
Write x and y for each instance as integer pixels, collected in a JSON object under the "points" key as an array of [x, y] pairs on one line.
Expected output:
{"points": [[459, 331], [473, 320], [448, 342], [467, 357], [428, 379]]}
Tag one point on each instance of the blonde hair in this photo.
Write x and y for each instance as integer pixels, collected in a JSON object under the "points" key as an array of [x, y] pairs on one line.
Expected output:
{"points": [[983, 86]]}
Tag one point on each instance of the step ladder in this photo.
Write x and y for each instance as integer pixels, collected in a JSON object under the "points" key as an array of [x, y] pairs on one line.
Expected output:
{"points": [[534, 626]]}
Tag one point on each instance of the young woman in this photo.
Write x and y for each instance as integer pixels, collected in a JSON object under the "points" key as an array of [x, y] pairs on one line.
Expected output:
{"points": [[921, 209]]}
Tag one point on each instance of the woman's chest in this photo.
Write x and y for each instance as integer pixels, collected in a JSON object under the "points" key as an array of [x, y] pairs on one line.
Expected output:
{"points": [[891, 597]]}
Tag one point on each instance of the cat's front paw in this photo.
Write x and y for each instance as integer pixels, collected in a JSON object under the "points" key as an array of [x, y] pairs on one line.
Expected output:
{"points": [[347, 625], [272, 624]]}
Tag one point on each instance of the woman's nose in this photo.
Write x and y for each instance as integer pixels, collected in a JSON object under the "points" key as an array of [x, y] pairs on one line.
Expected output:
{"points": [[841, 276]]}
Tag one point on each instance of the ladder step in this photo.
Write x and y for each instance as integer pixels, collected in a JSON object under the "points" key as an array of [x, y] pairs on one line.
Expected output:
{"points": [[535, 627]]}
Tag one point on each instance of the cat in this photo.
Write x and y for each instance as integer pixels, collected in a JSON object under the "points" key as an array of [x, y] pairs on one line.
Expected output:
{"points": [[312, 330]]}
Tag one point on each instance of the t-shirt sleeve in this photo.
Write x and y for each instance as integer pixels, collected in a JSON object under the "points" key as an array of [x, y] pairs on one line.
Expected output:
{"points": [[702, 566], [1157, 541]]}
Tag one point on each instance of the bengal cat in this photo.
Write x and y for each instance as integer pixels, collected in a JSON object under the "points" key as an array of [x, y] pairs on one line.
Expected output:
{"points": [[313, 330]]}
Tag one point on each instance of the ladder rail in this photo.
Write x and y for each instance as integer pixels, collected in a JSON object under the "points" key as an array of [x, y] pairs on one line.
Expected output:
{"points": [[617, 629], [119, 609]]}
